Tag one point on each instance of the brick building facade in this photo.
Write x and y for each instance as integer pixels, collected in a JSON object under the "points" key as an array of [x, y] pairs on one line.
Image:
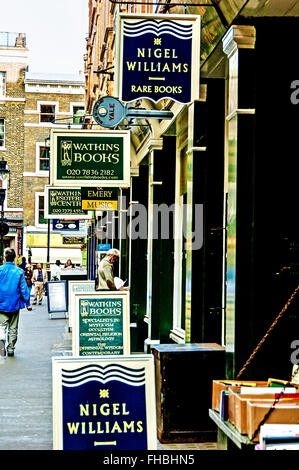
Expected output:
{"points": [[48, 97], [13, 64], [28, 104]]}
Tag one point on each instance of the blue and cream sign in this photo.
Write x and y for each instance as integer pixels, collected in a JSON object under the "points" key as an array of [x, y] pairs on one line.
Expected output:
{"points": [[104, 403], [159, 57]]}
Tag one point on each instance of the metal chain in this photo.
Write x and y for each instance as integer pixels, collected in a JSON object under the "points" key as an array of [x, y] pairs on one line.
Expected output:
{"points": [[270, 411], [268, 332]]}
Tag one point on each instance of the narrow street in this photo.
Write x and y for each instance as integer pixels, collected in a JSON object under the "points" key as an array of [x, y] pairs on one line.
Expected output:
{"points": [[26, 384]]}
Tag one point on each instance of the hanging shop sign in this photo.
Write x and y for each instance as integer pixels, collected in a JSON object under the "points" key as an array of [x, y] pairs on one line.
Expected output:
{"points": [[105, 199], [65, 203], [67, 225], [73, 240], [101, 323], [104, 403], [82, 158], [158, 57]]}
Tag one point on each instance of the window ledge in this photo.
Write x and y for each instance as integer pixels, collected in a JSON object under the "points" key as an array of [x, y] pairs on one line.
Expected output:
{"points": [[40, 174], [177, 335]]}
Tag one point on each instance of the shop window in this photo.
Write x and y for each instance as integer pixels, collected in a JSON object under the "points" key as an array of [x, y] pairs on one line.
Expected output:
{"points": [[47, 112], [2, 133], [2, 83], [44, 158]]}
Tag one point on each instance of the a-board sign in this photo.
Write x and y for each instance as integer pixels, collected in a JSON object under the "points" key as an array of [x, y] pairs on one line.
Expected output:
{"points": [[77, 287], [86, 157], [64, 203], [157, 57], [104, 403], [57, 296], [105, 199], [101, 323]]}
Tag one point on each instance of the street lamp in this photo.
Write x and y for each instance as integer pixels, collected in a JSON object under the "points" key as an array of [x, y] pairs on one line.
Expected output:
{"points": [[4, 175], [47, 145]]}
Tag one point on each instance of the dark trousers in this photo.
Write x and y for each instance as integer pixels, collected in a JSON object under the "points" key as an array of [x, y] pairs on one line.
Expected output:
{"points": [[9, 322]]}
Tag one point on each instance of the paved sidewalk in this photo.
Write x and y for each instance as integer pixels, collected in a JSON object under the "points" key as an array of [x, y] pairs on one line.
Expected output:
{"points": [[26, 384]]}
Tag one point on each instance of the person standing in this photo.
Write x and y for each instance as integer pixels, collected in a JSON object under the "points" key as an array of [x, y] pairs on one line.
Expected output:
{"points": [[28, 277], [69, 264], [39, 279], [14, 294], [105, 271], [55, 271], [23, 264]]}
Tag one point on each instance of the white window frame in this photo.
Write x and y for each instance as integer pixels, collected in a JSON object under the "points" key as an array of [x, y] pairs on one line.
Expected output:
{"points": [[47, 103], [2, 147], [3, 85], [38, 171], [36, 209]]}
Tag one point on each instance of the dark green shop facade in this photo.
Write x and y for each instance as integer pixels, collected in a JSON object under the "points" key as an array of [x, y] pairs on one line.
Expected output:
{"points": [[233, 153], [231, 159]]}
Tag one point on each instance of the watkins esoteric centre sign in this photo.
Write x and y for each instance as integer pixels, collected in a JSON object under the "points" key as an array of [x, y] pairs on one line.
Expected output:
{"points": [[158, 57]]}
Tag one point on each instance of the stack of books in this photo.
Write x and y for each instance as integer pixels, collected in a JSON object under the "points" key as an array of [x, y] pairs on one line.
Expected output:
{"points": [[279, 437]]}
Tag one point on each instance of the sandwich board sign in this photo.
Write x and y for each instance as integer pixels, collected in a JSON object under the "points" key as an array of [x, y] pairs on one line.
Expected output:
{"points": [[57, 297], [104, 403], [101, 323], [90, 158], [76, 287]]}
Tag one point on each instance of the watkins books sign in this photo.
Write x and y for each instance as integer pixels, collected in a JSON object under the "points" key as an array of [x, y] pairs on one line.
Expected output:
{"points": [[85, 158], [158, 57]]}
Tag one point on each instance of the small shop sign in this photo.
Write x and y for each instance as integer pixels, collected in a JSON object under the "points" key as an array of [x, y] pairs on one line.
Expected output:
{"points": [[98, 198], [64, 203], [73, 240], [67, 225]]}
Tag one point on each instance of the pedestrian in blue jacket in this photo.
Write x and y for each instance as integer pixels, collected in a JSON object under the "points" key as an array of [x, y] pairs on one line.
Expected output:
{"points": [[14, 294]]}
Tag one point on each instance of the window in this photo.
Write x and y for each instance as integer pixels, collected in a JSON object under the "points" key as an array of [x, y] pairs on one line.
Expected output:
{"points": [[41, 210], [2, 133], [47, 112], [44, 158], [78, 112], [2, 83]]}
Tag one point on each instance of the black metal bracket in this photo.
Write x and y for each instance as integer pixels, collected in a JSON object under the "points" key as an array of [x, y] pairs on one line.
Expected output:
{"points": [[69, 124], [105, 71], [169, 5]]}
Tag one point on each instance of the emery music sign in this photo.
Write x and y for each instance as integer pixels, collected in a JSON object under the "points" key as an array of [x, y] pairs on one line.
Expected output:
{"points": [[158, 57]]}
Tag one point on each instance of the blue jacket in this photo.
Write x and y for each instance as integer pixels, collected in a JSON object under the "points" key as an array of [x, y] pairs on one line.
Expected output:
{"points": [[13, 288]]}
